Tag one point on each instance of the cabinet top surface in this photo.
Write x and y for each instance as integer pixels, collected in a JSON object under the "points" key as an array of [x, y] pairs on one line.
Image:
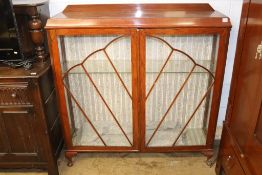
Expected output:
{"points": [[138, 16], [37, 70]]}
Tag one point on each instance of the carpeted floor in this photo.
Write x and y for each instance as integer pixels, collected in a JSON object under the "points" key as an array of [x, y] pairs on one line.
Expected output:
{"points": [[132, 164]]}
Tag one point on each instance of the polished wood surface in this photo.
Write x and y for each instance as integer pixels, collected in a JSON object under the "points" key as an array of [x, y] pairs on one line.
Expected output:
{"points": [[247, 103], [138, 15], [240, 43], [253, 38], [243, 120], [229, 157]]}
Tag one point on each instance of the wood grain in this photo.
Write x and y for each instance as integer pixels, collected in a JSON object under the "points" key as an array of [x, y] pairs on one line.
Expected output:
{"points": [[138, 15]]}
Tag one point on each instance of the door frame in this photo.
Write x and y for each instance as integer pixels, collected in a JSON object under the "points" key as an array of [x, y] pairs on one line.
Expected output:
{"points": [[138, 85], [223, 34], [53, 35]]}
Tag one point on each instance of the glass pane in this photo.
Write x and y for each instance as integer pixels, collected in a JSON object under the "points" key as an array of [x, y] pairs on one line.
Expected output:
{"points": [[98, 86], [179, 78]]}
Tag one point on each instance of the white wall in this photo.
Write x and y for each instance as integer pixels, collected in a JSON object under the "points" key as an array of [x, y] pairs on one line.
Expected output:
{"points": [[231, 8]]}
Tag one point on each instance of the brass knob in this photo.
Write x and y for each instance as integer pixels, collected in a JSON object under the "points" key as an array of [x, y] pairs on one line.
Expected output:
{"points": [[13, 95]]}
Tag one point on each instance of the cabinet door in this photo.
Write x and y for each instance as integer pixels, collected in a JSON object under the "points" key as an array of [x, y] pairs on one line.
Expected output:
{"points": [[181, 86], [97, 88], [246, 123], [17, 126], [246, 117]]}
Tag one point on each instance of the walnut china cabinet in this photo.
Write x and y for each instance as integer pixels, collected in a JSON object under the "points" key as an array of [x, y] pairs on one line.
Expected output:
{"points": [[138, 77], [241, 143]]}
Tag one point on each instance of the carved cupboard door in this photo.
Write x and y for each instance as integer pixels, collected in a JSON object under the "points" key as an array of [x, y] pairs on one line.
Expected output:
{"points": [[17, 135], [96, 76]]}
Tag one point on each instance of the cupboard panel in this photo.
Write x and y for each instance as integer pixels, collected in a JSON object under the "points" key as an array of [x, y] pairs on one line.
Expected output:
{"points": [[19, 130]]}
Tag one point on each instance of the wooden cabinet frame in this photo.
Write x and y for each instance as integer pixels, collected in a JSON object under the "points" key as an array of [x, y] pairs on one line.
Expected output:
{"points": [[59, 84], [217, 87], [138, 84], [138, 29]]}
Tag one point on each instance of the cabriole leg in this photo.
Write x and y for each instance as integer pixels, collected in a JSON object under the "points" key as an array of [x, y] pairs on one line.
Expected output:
{"points": [[211, 157], [69, 156]]}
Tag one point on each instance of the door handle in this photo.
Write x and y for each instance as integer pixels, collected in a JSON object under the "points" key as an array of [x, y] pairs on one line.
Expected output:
{"points": [[259, 52]]}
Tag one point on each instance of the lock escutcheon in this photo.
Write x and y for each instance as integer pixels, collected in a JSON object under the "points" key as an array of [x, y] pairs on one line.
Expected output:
{"points": [[259, 52]]}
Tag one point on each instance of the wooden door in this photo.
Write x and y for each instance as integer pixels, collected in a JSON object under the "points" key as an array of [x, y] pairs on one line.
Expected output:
{"points": [[181, 76], [17, 137], [245, 121], [96, 75]]}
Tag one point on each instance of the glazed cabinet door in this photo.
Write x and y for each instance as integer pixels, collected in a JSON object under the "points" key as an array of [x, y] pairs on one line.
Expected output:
{"points": [[17, 135], [96, 76], [180, 87]]}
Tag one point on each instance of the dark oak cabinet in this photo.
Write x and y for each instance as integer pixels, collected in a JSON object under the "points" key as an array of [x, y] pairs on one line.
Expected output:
{"points": [[30, 131]]}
